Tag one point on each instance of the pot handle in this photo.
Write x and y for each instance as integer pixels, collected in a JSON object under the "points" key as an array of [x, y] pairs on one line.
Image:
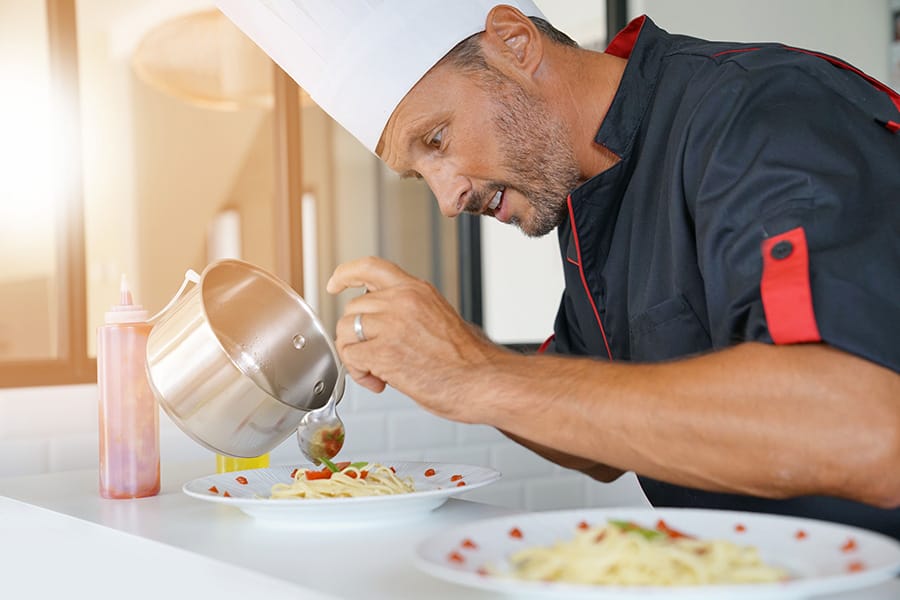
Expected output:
{"points": [[190, 276]]}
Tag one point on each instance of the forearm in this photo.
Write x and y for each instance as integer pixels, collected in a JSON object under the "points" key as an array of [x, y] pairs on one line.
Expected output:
{"points": [[587, 466], [758, 419]]}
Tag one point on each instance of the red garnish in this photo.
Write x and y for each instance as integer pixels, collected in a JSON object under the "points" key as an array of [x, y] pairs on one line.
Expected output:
{"points": [[456, 478], [313, 475], [456, 557], [740, 528], [673, 534], [584, 525], [241, 479], [294, 473], [363, 474], [599, 537], [800, 535], [342, 465], [467, 543], [460, 484], [226, 494], [214, 490], [849, 545], [351, 474], [393, 470], [516, 533], [856, 567], [430, 472]]}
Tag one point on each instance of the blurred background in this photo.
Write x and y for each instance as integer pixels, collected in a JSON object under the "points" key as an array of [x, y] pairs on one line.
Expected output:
{"points": [[148, 137]]}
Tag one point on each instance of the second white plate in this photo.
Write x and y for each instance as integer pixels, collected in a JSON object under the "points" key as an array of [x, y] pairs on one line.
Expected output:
{"points": [[820, 557]]}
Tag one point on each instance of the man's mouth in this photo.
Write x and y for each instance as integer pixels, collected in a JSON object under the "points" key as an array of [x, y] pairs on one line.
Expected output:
{"points": [[495, 201]]}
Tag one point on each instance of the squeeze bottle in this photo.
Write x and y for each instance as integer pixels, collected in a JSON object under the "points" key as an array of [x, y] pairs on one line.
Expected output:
{"points": [[129, 416]]}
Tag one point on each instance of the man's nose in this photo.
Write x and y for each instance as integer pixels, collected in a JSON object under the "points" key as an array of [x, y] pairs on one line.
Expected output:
{"points": [[451, 190]]}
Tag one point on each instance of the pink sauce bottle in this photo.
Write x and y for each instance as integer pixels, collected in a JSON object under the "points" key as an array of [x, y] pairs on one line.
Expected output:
{"points": [[129, 416]]}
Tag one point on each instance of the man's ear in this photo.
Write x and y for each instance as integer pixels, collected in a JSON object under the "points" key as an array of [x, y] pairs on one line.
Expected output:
{"points": [[511, 40]]}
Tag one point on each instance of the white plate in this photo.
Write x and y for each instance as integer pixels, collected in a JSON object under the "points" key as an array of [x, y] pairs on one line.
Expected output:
{"points": [[253, 497], [813, 552]]}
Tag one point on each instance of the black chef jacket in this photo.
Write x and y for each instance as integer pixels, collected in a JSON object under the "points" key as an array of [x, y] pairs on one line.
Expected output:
{"points": [[757, 198]]}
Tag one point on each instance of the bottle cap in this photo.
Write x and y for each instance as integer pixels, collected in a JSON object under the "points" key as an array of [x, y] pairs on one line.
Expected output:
{"points": [[126, 311]]}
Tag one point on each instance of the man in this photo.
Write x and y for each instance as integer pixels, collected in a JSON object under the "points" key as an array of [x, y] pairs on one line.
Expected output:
{"points": [[729, 223]]}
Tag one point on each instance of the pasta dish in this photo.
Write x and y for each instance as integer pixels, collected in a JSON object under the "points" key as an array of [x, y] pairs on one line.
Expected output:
{"points": [[623, 553], [344, 480]]}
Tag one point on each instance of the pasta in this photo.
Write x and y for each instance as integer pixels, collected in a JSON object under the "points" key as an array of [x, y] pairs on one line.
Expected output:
{"points": [[622, 553], [343, 480]]}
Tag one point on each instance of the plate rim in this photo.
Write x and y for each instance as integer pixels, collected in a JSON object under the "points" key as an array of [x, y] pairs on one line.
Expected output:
{"points": [[837, 582], [491, 476]]}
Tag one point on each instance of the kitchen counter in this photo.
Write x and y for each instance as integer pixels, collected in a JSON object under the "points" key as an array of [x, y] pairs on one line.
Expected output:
{"points": [[58, 536]]}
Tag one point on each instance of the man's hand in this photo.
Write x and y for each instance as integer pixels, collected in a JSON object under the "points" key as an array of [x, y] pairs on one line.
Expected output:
{"points": [[414, 340]]}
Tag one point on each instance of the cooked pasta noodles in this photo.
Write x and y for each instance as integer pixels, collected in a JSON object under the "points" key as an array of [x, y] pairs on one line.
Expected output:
{"points": [[344, 480], [622, 553]]}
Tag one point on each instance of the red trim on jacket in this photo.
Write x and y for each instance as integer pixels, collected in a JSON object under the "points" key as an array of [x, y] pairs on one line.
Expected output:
{"points": [[546, 344], [892, 126], [624, 41], [894, 96], [785, 291], [587, 290]]}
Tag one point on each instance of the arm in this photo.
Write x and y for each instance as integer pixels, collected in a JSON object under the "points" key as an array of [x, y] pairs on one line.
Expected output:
{"points": [[758, 419], [589, 467]]}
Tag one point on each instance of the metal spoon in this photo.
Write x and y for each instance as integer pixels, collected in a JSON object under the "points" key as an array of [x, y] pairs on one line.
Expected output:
{"points": [[321, 431]]}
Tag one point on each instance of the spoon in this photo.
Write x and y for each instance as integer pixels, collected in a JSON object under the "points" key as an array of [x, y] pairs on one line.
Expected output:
{"points": [[321, 431]]}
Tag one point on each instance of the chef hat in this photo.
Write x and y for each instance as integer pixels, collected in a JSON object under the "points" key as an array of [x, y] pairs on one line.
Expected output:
{"points": [[358, 58]]}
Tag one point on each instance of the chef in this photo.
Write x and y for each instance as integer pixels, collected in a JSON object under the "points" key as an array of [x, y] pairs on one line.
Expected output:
{"points": [[728, 217]]}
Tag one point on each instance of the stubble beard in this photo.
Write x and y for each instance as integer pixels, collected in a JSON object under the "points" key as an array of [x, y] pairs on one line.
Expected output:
{"points": [[540, 162]]}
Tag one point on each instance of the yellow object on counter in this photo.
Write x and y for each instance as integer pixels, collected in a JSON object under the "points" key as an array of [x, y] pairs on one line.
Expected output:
{"points": [[226, 464]]}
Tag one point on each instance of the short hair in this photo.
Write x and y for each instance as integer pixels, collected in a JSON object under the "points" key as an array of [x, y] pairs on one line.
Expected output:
{"points": [[468, 56]]}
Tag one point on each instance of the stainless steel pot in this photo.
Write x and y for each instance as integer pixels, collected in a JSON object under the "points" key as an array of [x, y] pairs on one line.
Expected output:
{"points": [[238, 359]]}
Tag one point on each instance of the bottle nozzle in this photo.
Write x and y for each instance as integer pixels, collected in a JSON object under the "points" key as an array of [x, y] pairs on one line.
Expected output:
{"points": [[124, 292]]}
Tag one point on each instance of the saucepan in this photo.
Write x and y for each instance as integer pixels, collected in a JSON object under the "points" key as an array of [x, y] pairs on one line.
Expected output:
{"points": [[239, 358]]}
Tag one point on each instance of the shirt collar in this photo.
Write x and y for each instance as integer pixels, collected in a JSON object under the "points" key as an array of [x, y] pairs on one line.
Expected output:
{"points": [[644, 45]]}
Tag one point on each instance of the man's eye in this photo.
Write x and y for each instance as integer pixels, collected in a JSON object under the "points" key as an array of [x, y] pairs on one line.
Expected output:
{"points": [[436, 139]]}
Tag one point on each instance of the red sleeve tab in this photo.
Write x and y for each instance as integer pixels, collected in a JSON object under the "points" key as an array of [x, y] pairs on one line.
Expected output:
{"points": [[786, 295]]}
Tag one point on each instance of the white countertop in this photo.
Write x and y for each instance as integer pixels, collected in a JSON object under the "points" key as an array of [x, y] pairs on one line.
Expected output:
{"points": [[58, 536]]}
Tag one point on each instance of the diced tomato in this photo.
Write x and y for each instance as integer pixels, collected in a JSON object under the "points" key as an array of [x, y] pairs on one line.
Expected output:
{"points": [[740, 528], [672, 533], [226, 494], [599, 537], [583, 525], [214, 490], [363, 474], [456, 478], [456, 557], [241, 479], [849, 545], [294, 473], [313, 475], [342, 465], [460, 484], [430, 472], [516, 533], [351, 474], [467, 543], [800, 535], [856, 567], [393, 470]]}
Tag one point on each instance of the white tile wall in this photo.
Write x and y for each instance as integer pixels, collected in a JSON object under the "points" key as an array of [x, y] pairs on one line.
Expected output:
{"points": [[52, 429]]}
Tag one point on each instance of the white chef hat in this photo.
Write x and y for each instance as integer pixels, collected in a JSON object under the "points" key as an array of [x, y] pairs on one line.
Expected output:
{"points": [[358, 58]]}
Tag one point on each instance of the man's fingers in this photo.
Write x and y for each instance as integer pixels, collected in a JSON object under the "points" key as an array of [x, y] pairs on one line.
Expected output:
{"points": [[371, 272]]}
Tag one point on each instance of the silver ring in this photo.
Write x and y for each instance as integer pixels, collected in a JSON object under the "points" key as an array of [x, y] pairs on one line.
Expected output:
{"points": [[357, 327]]}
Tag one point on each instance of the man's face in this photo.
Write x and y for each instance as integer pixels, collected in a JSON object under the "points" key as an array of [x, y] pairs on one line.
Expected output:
{"points": [[485, 146]]}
